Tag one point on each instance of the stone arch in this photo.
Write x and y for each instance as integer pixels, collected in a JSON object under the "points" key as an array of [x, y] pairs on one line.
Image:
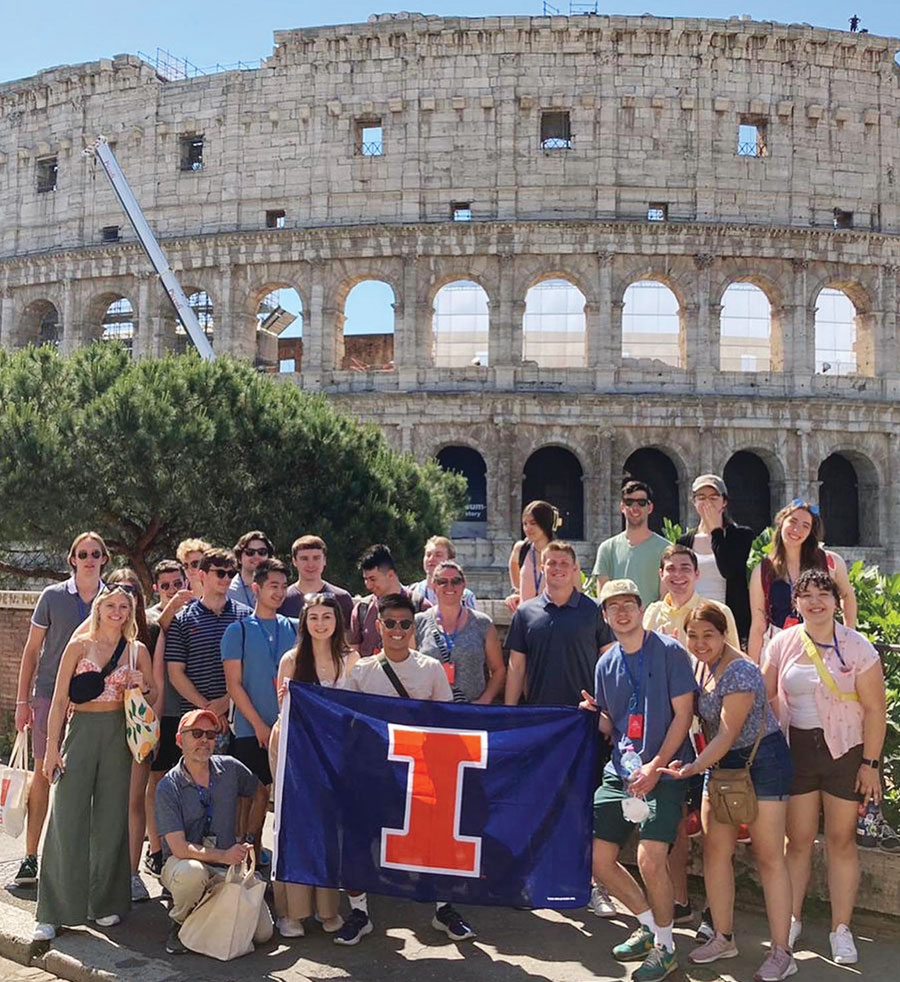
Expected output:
{"points": [[39, 323], [278, 307], [205, 306], [748, 329], [749, 482], [466, 460], [659, 468], [554, 323], [849, 487], [555, 473], [460, 324], [361, 302], [653, 319], [112, 316], [843, 327]]}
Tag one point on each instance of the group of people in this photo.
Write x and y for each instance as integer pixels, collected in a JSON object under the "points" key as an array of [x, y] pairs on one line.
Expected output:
{"points": [[660, 658]]}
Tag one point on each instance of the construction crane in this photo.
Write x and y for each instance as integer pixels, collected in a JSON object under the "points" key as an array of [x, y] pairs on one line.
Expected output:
{"points": [[100, 150]]}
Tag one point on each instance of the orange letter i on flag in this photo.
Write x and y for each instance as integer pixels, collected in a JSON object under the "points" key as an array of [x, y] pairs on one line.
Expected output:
{"points": [[429, 841]]}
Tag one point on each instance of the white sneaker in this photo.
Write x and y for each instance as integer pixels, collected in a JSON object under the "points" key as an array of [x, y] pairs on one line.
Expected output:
{"points": [[111, 920], [44, 932], [843, 950], [290, 927], [600, 903], [794, 933], [139, 892]]}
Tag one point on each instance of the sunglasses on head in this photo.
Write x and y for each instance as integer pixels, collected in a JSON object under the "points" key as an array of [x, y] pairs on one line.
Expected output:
{"points": [[94, 554], [261, 551], [391, 622], [198, 734], [805, 505], [445, 581], [632, 502], [128, 588], [221, 573]]}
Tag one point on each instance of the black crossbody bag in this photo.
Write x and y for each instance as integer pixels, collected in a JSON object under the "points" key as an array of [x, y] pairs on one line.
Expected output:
{"points": [[90, 685], [392, 675]]}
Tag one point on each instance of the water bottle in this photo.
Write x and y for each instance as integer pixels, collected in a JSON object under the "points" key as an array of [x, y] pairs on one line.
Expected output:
{"points": [[630, 761]]}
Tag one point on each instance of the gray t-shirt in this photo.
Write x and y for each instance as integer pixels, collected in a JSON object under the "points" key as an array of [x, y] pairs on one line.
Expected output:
{"points": [[183, 806], [59, 611], [464, 649], [617, 558], [740, 676]]}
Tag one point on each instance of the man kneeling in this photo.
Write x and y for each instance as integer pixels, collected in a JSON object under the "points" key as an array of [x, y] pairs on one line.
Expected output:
{"points": [[196, 811]]}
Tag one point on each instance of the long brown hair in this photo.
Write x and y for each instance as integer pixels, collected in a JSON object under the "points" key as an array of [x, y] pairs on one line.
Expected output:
{"points": [[127, 576], [304, 658], [811, 554]]}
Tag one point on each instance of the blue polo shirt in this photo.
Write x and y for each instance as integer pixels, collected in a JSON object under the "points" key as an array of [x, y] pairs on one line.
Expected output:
{"points": [[560, 645], [258, 644], [666, 673]]}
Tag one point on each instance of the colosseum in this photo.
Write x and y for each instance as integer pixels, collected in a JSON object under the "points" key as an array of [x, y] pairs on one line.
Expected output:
{"points": [[599, 245]]}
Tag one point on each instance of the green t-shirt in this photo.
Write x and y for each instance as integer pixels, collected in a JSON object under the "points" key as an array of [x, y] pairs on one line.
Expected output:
{"points": [[617, 558]]}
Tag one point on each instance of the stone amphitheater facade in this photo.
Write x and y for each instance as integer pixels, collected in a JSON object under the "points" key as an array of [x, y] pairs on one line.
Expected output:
{"points": [[653, 108]]}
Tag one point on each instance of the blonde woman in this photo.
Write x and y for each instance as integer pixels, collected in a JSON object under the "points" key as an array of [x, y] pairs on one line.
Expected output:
{"points": [[85, 872]]}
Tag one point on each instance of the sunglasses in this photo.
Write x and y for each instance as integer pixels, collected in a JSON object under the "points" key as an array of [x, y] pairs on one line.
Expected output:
{"points": [[262, 551], [127, 588], [174, 585], [199, 734], [635, 502], [221, 573], [194, 564], [452, 581], [805, 505], [391, 622], [94, 554]]}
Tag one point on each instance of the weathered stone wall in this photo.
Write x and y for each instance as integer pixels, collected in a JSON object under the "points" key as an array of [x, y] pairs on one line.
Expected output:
{"points": [[15, 617]]}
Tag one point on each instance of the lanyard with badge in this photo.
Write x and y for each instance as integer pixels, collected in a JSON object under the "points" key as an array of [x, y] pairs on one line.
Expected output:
{"points": [[205, 796], [635, 728], [450, 640]]}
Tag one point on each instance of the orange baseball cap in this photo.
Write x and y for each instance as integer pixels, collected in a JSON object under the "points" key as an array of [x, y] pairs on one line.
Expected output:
{"points": [[194, 717]]}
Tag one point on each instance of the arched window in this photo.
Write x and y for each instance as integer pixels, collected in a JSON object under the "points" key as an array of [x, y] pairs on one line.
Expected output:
{"points": [[369, 327], [460, 325], [656, 469], [554, 474], [746, 329], [280, 313], [651, 323], [119, 323], [553, 326], [835, 333], [839, 501], [40, 324], [199, 301], [749, 495], [469, 463]]}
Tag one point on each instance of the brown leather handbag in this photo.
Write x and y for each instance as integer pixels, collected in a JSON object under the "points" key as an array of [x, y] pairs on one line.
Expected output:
{"points": [[732, 796]]}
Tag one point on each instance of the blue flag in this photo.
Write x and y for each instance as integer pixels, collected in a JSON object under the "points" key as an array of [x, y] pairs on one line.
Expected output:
{"points": [[435, 800]]}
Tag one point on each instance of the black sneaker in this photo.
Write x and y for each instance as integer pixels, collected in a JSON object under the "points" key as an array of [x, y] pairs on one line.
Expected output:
{"points": [[355, 928], [449, 920], [174, 945], [888, 840], [684, 913], [705, 932], [28, 872], [153, 863]]}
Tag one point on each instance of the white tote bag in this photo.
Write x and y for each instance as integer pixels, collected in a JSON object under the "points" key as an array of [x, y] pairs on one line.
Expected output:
{"points": [[230, 917], [14, 784]]}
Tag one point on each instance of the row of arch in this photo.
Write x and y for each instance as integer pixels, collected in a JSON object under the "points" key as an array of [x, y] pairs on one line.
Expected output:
{"points": [[554, 325], [555, 474]]}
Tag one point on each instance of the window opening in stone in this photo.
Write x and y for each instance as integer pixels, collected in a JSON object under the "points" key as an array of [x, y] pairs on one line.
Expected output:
{"points": [[368, 332], [553, 328], [745, 329], [369, 138], [40, 324], [110, 233], [651, 323], [839, 500], [460, 325], [461, 211], [554, 474], [843, 219], [835, 327], [469, 463], [191, 151], [657, 211], [275, 218], [556, 131], [751, 141], [656, 468], [47, 173], [279, 330], [199, 301], [118, 323], [749, 494]]}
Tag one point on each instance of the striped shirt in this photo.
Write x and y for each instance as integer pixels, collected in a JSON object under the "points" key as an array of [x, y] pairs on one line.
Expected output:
{"points": [[194, 638]]}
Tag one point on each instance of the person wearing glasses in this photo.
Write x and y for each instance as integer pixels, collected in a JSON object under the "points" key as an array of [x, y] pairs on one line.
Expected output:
{"points": [[635, 553], [85, 869], [721, 547], [827, 687], [193, 642], [60, 610], [464, 640], [438, 549], [249, 551], [401, 671], [795, 549], [189, 553], [196, 811]]}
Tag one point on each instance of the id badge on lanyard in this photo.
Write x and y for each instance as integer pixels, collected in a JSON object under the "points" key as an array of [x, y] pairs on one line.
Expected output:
{"points": [[450, 671], [635, 726]]}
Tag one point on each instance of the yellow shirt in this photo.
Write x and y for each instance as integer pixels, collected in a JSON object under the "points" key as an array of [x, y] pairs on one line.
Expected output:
{"points": [[665, 617]]}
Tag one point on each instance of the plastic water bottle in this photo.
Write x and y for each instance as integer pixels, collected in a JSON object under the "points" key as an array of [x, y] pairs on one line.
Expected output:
{"points": [[630, 761]]}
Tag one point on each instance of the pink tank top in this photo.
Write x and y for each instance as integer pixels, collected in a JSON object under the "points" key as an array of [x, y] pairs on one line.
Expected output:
{"points": [[118, 680]]}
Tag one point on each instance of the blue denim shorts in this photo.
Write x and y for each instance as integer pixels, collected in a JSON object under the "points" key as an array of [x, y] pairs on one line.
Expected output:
{"points": [[771, 770]]}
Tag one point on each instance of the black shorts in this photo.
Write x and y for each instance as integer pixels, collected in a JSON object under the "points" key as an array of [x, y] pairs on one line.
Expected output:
{"points": [[816, 770], [252, 755], [168, 753]]}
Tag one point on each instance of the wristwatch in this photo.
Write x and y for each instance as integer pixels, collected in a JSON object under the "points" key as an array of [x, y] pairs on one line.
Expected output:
{"points": [[874, 763]]}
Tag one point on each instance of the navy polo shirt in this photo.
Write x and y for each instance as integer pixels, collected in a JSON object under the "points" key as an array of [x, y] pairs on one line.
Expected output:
{"points": [[561, 645]]}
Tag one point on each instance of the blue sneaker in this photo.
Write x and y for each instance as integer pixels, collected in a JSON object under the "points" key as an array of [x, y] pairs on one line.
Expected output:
{"points": [[355, 928]]}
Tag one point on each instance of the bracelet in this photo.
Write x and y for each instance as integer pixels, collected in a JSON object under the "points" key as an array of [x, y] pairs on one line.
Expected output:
{"points": [[23, 702]]}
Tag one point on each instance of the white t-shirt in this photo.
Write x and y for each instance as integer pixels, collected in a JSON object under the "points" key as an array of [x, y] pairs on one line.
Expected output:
{"points": [[711, 584], [423, 677], [800, 683]]}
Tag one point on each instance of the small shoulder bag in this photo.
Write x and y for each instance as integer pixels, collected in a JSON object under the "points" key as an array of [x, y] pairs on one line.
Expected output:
{"points": [[392, 676]]}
